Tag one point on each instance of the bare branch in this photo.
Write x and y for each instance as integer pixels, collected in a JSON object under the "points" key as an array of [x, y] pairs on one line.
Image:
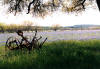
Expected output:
{"points": [[29, 6]]}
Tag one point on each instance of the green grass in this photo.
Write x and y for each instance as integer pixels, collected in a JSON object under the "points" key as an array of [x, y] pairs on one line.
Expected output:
{"points": [[55, 55]]}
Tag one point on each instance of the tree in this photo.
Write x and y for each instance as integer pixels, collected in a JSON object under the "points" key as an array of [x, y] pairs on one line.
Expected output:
{"points": [[39, 8], [28, 25], [2, 27], [56, 27], [12, 27], [98, 3], [20, 5], [16, 5]]}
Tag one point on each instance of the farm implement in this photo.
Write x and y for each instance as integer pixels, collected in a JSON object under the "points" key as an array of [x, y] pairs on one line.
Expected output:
{"points": [[13, 43]]}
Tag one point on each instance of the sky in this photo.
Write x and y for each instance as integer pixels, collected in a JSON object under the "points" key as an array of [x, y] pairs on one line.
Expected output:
{"points": [[91, 15]]}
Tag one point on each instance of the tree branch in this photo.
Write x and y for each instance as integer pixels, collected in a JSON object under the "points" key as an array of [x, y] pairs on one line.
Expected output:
{"points": [[29, 6], [80, 2]]}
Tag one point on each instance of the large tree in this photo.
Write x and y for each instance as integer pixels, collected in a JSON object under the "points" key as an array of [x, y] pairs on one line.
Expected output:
{"points": [[39, 7]]}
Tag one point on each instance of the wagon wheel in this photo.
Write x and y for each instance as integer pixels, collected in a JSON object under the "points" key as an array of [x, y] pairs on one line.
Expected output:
{"points": [[12, 43]]}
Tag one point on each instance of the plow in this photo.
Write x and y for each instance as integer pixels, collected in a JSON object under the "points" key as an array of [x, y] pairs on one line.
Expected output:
{"points": [[13, 43]]}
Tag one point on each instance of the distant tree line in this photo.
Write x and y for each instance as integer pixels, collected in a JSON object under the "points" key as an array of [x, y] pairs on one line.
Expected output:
{"points": [[13, 28], [27, 26]]}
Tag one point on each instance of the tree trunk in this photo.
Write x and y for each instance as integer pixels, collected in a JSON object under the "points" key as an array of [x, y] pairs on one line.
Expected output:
{"points": [[98, 4]]}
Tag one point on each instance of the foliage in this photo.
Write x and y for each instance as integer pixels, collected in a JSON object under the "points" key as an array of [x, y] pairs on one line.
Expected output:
{"points": [[3, 27], [41, 8], [25, 26], [55, 27]]}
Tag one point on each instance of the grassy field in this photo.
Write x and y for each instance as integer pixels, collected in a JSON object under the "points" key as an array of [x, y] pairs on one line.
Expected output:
{"points": [[56, 35], [55, 55]]}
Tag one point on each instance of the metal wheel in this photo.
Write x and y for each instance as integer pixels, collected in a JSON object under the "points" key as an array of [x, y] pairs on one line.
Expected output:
{"points": [[12, 43]]}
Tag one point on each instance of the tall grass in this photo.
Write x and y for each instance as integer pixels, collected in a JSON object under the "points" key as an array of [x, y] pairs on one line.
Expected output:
{"points": [[55, 55]]}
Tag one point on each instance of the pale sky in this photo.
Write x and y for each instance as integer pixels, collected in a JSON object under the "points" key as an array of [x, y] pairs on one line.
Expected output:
{"points": [[90, 16]]}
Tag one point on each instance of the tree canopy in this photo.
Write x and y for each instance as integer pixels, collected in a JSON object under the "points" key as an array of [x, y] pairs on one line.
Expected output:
{"points": [[39, 7]]}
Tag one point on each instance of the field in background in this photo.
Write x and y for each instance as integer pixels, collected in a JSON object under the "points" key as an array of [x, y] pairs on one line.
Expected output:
{"points": [[57, 35], [72, 54]]}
